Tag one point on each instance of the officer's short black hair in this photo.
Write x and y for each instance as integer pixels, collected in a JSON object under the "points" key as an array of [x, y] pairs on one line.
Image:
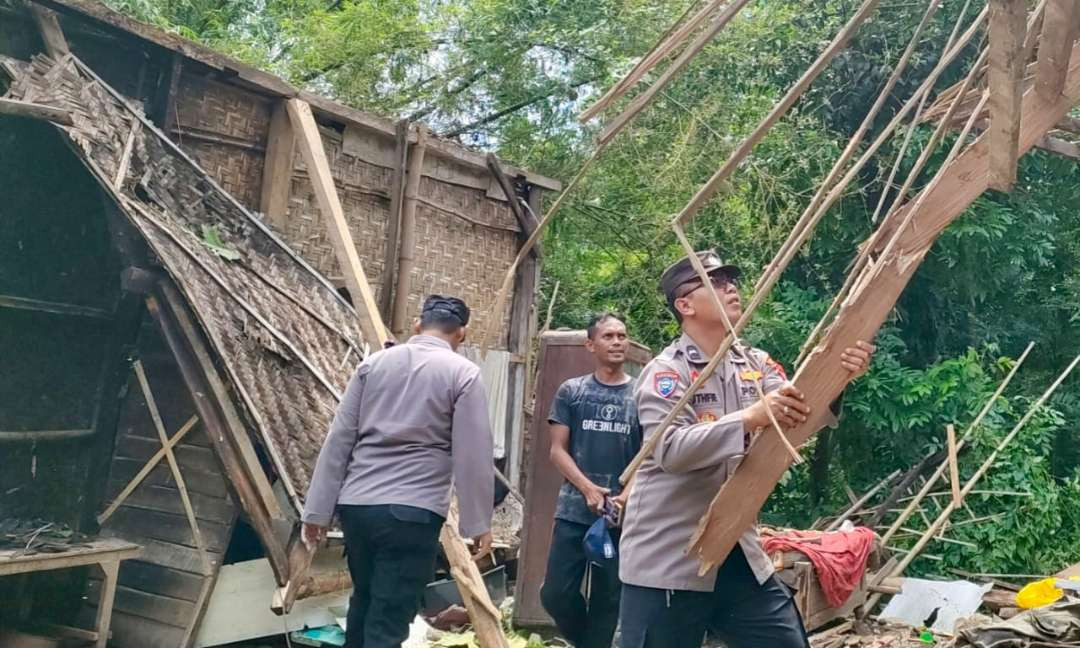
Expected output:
{"points": [[444, 314], [596, 320]]}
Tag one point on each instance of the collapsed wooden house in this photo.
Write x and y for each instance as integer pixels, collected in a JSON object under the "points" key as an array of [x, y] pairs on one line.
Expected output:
{"points": [[175, 325]]}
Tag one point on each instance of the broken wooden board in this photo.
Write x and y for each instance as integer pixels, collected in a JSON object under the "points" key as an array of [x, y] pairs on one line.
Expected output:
{"points": [[822, 378], [1060, 29]]}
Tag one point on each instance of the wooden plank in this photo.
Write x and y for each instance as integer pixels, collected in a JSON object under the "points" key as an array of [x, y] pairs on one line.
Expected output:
{"points": [[105, 602], [393, 224], [311, 147], [167, 500], [954, 468], [161, 553], [822, 377], [55, 44], [1008, 26], [277, 167], [147, 605], [130, 631], [103, 549], [158, 579], [1059, 32], [407, 243], [204, 483], [171, 527]]}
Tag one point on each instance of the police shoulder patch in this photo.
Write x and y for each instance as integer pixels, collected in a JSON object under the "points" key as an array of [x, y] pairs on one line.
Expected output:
{"points": [[665, 382], [779, 368]]}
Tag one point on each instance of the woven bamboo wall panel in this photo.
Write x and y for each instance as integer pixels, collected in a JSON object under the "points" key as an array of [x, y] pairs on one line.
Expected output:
{"points": [[237, 170], [209, 106]]}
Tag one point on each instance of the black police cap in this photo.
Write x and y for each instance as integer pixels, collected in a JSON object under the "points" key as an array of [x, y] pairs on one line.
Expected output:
{"points": [[451, 305]]}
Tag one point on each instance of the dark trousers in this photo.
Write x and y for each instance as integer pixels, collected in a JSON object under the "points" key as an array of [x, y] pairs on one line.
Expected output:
{"points": [[742, 613], [391, 553], [585, 624]]}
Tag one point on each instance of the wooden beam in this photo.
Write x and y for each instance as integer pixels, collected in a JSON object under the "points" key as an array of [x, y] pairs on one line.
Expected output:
{"points": [[1060, 29], [35, 111], [57, 308], [311, 147], [822, 378], [393, 224], [1008, 26], [407, 243], [277, 167], [55, 44]]}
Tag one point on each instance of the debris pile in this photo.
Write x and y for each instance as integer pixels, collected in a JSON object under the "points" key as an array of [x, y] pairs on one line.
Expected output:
{"points": [[28, 537]]}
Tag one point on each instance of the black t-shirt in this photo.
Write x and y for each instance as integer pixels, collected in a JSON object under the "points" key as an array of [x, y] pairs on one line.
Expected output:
{"points": [[604, 437]]}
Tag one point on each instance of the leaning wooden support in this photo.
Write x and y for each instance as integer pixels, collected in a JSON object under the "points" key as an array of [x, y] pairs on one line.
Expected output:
{"points": [[986, 465], [485, 617], [1007, 28], [822, 377], [311, 147], [928, 485], [277, 166], [839, 42], [49, 27], [954, 465]]}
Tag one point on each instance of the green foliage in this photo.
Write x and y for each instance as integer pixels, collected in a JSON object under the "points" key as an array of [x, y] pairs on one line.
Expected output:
{"points": [[511, 75]]}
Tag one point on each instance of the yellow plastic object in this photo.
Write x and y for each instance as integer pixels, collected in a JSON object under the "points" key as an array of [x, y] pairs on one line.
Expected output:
{"points": [[1040, 593]]}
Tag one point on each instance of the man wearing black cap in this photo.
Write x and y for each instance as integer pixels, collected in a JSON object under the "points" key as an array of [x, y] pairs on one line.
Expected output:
{"points": [[665, 603], [413, 417]]}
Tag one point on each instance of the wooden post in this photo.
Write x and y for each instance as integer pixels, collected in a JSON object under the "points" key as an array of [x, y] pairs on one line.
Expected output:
{"points": [[407, 249], [393, 224], [1058, 35], [311, 147], [110, 570], [277, 167], [954, 468], [1008, 26]]}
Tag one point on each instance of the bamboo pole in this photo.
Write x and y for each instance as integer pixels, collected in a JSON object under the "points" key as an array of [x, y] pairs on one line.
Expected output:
{"points": [[638, 104], [664, 45], [407, 235], [954, 468], [839, 42], [943, 517], [835, 524]]}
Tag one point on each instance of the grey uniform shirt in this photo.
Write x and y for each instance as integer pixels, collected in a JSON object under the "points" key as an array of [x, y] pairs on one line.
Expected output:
{"points": [[675, 484], [413, 416]]}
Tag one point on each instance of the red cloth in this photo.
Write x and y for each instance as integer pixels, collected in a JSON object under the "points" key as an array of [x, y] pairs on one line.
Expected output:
{"points": [[839, 557]]}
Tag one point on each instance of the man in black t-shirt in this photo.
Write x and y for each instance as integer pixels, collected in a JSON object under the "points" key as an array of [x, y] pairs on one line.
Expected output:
{"points": [[594, 436]]}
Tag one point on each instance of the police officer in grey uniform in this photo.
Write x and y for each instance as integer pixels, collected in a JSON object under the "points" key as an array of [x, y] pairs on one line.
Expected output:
{"points": [[413, 417], [664, 601]]}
